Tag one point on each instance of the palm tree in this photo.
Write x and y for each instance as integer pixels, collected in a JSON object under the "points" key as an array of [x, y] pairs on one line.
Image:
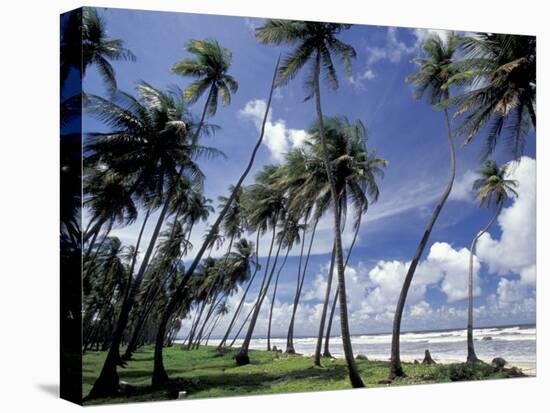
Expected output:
{"points": [[287, 238], [235, 268], [222, 311], [85, 43], [502, 70], [160, 376], [364, 168], [301, 201], [245, 293], [209, 65], [107, 281], [432, 78], [492, 190], [354, 170], [233, 226], [266, 204], [317, 43], [152, 143]]}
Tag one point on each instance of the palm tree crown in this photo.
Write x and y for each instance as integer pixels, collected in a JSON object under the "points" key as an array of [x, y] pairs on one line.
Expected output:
{"points": [[98, 49], [436, 70], [313, 41], [209, 65], [493, 188], [501, 70]]}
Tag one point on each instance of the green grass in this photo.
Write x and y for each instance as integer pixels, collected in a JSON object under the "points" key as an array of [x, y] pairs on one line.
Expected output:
{"points": [[208, 373]]}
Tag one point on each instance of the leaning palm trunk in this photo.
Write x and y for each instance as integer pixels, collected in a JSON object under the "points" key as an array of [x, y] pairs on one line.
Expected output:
{"points": [[199, 336], [395, 363], [354, 376], [214, 324], [472, 357], [160, 376], [243, 298], [205, 302], [241, 357], [326, 351], [242, 325], [273, 299], [108, 381], [317, 357], [290, 336]]}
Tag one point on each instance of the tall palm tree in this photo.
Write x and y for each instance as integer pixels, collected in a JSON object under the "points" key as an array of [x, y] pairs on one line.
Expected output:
{"points": [[354, 170], [222, 311], [232, 226], [492, 189], [160, 376], [267, 205], [257, 267], [209, 65], [501, 70], [288, 238], [235, 268], [432, 79], [316, 43], [152, 141], [365, 168], [85, 43]]}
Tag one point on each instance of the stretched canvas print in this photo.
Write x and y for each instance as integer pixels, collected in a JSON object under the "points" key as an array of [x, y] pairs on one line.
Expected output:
{"points": [[254, 205]]}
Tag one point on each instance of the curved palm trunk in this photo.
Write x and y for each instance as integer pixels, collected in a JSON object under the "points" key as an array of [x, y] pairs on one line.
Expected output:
{"points": [[108, 381], [148, 306], [241, 357], [218, 318], [205, 302], [199, 337], [395, 363], [159, 372], [317, 357], [243, 298], [354, 376], [90, 259], [290, 336], [242, 326], [326, 351], [472, 357], [273, 299]]}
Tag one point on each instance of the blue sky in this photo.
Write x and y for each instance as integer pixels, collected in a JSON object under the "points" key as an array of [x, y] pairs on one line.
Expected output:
{"points": [[406, 132]]}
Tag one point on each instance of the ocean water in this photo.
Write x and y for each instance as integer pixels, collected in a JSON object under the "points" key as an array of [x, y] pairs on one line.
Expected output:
{"points": [[516, 344]]}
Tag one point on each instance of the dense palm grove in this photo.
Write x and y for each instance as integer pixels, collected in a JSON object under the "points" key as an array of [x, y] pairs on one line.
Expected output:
{"points": [[146, 168]]}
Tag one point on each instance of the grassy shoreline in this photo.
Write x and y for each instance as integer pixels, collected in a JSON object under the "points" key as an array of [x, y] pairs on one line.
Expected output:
{"points": [[208, 373]]}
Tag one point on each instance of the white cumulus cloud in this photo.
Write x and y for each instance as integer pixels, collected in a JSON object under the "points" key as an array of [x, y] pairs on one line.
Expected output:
{"points": [[278, 138]]}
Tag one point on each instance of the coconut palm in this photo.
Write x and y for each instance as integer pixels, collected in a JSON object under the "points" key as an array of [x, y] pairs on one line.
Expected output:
{"points": [[431, 80], [209, 65], [152, 142], [257, 267], [492, 189], [222, 311], [85, 43], [354, 170], [267, 209], [235, 268], [363, 191], [501, 71], [287, 237], [160, 376], [316, 44], [107, 281], [233, 227]]}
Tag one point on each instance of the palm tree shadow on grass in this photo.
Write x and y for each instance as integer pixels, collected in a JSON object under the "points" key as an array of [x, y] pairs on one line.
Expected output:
{"points": [[238, 380]]}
